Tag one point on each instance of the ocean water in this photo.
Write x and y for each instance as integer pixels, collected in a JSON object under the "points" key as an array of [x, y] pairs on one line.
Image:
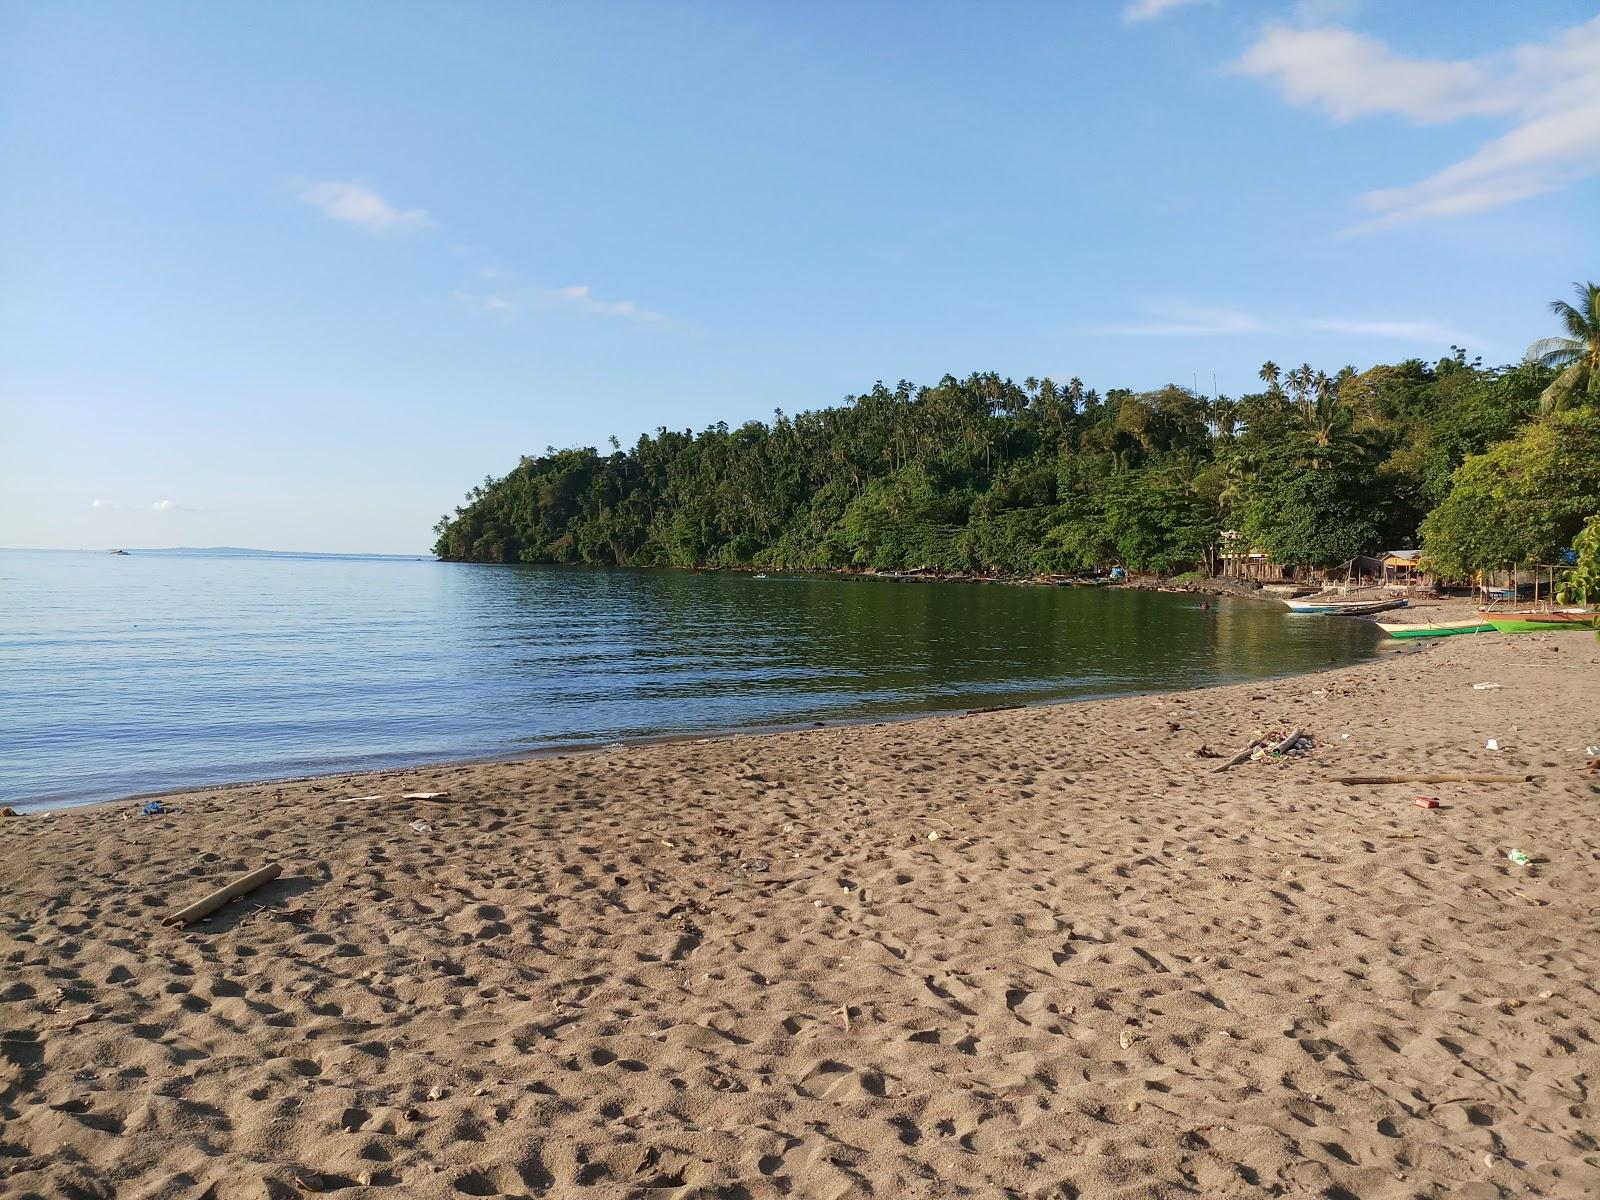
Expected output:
{"points": [[157, 670]]}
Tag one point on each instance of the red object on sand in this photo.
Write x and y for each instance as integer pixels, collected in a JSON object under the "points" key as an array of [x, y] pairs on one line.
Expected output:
{"points": [[1425, 802]]}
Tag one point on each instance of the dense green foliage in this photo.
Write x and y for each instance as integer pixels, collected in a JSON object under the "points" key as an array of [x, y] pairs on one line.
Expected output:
{"points": [[984, 474], [992, 476], [1522, 502], [1582, 584]]}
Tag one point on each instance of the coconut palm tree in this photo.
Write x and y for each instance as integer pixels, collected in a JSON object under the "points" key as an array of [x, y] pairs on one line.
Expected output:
{"points": [[1271, 375], [1576, 356]]}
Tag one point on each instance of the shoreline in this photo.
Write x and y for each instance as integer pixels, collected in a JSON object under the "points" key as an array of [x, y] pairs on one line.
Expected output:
{"points": [[713, 733], [1031, 951], [1386, 647]]}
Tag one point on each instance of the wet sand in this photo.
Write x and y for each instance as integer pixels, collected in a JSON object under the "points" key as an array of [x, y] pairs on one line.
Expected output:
{"points": [[1039, 953]]}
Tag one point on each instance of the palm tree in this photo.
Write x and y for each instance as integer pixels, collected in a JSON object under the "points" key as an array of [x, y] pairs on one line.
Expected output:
{"points": [[1300, 380], [1576, 356], [1270, 375]]}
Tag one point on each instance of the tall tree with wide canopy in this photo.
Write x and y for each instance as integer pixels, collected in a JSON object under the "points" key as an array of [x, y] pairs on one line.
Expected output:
{"points": [[1576, 356]]}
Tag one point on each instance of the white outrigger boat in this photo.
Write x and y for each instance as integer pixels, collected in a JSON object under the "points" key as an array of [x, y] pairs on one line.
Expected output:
{"points": [[1344, 608], [1426, 628]]}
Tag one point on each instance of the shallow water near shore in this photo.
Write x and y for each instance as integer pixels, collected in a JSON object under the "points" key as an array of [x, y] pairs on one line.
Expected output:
{"points": [[122, 674]]}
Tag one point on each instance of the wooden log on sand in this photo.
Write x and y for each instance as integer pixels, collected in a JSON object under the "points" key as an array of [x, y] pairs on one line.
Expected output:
{"points": [[1353, 780], [207, 905], [1239, 757], [1287, 743]]}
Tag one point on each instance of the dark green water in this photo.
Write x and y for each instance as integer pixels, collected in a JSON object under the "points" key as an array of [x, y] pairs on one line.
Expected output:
{"points": [[150, 671]]}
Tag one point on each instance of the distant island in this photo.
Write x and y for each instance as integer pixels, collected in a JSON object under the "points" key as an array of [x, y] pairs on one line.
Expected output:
{"points": [[244, 552], [1481, 466]]}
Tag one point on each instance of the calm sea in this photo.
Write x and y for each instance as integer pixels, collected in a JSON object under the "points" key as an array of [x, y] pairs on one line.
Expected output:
{"points": [[121, 674]]}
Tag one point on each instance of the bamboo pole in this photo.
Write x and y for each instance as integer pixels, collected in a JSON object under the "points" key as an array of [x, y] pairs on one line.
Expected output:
{"points": [[1351, 780], [207, 905]]}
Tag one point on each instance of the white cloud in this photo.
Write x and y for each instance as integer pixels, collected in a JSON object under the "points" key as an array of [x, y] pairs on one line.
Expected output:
{"points": [[357, 205], [582, 299], [102, 505], [1185, 321], [163, 506], [1549, 91], [497, 291], [500, 303], [1406, 331], [1149, 10]]}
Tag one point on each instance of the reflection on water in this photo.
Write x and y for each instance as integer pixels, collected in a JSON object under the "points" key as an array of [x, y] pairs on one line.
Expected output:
{"points": [[152, 671]]}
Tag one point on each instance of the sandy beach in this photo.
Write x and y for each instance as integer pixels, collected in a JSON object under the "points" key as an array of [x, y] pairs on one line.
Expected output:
{"points": [[1039, 953]]}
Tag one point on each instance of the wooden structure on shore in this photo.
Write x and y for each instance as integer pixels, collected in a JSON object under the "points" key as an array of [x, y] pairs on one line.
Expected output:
{"points": [[1240, 560]]}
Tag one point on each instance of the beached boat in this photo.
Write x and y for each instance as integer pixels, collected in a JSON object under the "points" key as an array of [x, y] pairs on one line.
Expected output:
{"points": [[1536, 622], [1422, 629], [1343, 608]]}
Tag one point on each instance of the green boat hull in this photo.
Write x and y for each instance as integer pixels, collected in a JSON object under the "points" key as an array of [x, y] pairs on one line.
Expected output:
{"points": [[1534, 625], [1424, 631]]}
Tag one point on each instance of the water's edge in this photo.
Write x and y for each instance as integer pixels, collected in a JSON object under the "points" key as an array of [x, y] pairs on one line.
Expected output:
{"points": [[585, 748]]}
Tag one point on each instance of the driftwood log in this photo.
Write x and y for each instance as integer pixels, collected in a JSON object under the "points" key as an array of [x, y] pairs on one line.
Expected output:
{"points": [[1287, 743], [1352, 780], [1239, 757], [207, 905]]}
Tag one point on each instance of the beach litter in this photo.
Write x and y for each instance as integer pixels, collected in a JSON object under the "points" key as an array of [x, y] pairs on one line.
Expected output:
{"points": [[1272, 746], [422, 827], [1491, 744], [1278, 745], [354, 799], [1521, 857], [1485, 687], [423, 795], [155, 809], [1426, 802]]}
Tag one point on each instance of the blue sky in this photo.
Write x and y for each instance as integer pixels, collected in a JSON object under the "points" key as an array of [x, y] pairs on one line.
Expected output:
{"points": [[296, 275]]}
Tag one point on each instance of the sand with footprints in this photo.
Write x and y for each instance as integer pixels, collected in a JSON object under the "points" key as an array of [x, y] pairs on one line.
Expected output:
{"points": [[1038, 953]]}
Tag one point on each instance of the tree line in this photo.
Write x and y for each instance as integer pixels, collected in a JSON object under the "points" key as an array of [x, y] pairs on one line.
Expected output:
{"points": [[1486, 465]]}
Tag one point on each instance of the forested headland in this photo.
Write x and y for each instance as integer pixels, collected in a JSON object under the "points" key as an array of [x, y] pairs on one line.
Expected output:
{"points": [[1482, 465]]}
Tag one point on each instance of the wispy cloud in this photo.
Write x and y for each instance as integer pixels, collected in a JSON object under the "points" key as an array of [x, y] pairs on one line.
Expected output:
{"points": [[1405, 331], [1549, 91], [580, 298], [494, 289], [1149, 10], [1187, 321], [585, 301], [499, 303], [355, 204], [154, 506]]}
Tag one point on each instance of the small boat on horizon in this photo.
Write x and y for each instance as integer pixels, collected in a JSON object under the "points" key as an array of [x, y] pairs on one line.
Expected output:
{"points": [[1344, 608], [119, 552]]}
